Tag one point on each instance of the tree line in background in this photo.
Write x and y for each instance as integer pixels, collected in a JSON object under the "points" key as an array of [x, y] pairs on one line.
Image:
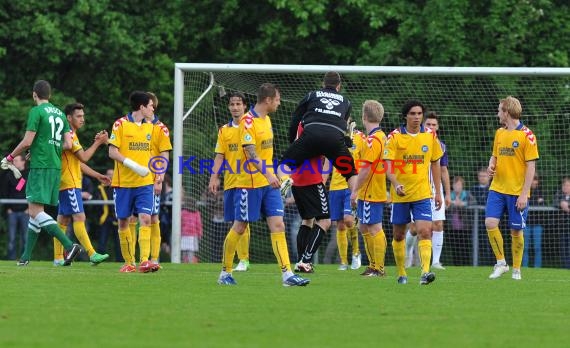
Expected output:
{"points": [[98, 51]]}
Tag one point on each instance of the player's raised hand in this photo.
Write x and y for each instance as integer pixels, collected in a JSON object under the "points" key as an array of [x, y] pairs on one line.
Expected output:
{"points": [[102, 137]]}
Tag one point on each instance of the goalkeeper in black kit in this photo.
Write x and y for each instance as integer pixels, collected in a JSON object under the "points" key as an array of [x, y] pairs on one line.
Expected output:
{"points": [[323, 114]]}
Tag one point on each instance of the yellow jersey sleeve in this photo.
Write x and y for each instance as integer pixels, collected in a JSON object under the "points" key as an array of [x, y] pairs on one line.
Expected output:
{"points": [[256, 131], [71, 166], [513, 149], [411, 156], [161, 139], [374, 188], [135, 142], [228, 146]]}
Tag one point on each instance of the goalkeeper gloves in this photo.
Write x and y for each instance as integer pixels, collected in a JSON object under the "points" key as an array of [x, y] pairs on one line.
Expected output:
{"points": [[135, 167], [6, 164]]}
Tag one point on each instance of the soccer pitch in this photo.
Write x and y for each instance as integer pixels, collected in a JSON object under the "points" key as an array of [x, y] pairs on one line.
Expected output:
{"points": [[182, 306]]}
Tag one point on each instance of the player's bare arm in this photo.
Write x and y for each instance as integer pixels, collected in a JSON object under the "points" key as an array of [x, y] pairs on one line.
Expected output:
{"points": [[492, 166], [214, 184], [103, 179], [360, 179], [446, 185], [24, 144], [436, 171], [522, 200], [100, 139], [399, 188], [67, 141], [254, 158]]}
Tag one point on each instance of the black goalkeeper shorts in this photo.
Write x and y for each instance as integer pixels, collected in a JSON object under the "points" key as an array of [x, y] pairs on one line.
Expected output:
{"points": [[312, 201]]}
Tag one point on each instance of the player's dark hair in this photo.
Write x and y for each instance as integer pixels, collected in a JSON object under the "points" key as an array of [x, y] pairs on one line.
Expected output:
{"points": [[331, 79], [410, 104], [432, 115], [138, 99], [237, 95], [70, 108], [266, 90], [42, 88]]}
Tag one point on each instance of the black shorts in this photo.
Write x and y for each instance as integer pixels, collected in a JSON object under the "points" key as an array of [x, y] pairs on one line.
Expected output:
{"points": [[316, 141], [312, 201]]}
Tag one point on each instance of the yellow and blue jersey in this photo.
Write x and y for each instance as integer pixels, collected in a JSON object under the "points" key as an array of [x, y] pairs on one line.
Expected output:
{"points": [[134, 141], [512, 148], [338, 182], [374, 188], [411, 156], [71, 166], [257, 131], [228, 145]]}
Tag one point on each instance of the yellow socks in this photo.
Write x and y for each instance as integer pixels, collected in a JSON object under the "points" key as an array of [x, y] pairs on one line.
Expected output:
{"points": [[144, 242], [133, 238], [496, 240], [279, 245], [369, 247], [399, 248], [342, 242], [154, 241], [243, 245], [517, 249], [424, 246], [124, 238], [379, 241], [353, 236], [57, 246], [230, 245], [81, 234]]}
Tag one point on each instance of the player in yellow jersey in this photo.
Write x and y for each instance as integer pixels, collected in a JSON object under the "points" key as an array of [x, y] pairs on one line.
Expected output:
{"points": [[411, 151], [512, 167], [70, 200], [371, 189], [227, 152], [259, 187], [130, 148], [161, 147], [341, 210]]}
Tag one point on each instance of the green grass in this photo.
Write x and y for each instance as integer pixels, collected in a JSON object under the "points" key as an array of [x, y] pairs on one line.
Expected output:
{"points": [[182, 306]]}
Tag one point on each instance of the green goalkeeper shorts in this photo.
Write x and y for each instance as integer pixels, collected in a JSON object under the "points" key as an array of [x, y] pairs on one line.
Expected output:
{"points": [[43, 186]]}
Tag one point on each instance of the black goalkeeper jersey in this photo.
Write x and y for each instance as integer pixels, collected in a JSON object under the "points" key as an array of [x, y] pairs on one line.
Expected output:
{"points": [[325, 107]]}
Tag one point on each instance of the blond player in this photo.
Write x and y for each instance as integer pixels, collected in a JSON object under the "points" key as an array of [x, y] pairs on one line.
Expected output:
{"points": [[512, 167]]}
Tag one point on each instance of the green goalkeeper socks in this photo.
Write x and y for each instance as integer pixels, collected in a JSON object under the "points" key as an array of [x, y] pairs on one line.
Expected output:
{"points": [[31, 240]]}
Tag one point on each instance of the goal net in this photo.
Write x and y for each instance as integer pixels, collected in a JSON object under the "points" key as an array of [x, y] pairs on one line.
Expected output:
{"points": [[465, 100]]}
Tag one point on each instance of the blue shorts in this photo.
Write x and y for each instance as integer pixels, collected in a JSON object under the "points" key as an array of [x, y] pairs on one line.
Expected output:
{"points": [[70, 202], [229, 204], [156, 205], [339, 201], [497, 203], [370, 213], [420, 210], [251, 203], [133, 200]]}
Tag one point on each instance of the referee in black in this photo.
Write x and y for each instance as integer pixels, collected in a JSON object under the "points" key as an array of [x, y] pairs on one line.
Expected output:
{"points": [[323, 114]]}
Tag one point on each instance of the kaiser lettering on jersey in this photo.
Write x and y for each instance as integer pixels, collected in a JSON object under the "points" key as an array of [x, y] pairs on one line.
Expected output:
{"points": [[139, 146]]}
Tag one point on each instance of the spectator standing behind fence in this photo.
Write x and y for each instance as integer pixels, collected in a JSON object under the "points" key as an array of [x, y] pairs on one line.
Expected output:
{"points": [[460, 199], [480, 191], [562, 201], [534, 229], [191, 231], [16, 214]]}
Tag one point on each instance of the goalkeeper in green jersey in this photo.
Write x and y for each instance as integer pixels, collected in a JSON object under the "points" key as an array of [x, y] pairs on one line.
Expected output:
{"points": [[47, 134]]}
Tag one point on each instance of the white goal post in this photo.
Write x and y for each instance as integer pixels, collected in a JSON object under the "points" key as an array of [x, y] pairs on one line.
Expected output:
{"points": [[466, 98]]}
